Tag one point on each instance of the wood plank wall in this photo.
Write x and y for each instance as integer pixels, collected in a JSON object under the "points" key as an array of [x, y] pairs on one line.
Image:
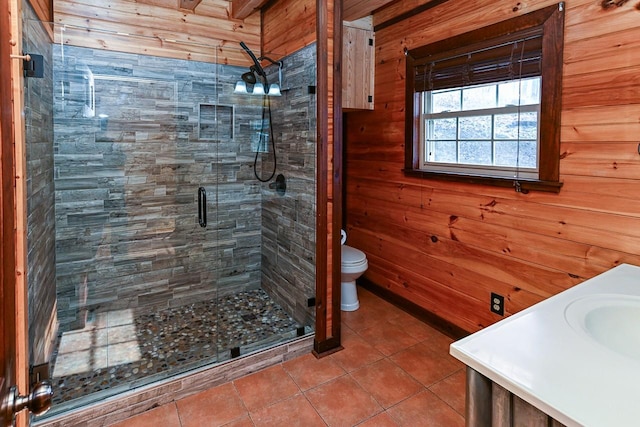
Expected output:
{"points": [[288, 26], [446, 246], [156, 28]]}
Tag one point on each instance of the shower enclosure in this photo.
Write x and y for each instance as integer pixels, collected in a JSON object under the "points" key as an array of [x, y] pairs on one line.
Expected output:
{"points": [[152, 247]]}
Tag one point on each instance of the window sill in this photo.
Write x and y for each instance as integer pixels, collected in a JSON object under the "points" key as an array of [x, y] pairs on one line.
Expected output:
{"points": [[526, 184]]}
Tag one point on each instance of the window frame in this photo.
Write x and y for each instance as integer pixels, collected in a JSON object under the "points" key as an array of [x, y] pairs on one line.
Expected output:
{"points": [[505, 171], [550, 20]]}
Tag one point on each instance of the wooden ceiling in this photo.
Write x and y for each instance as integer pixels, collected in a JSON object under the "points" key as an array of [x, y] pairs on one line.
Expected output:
{"points": [[189, 4], [356, 9], [351, 9], [240, 9], [171, 4]]}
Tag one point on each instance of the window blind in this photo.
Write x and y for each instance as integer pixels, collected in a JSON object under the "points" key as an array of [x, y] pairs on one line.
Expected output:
{"points": [[513, 56]]}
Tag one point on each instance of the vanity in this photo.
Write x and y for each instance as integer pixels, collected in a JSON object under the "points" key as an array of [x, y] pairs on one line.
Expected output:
{"points": [[573, 359]]}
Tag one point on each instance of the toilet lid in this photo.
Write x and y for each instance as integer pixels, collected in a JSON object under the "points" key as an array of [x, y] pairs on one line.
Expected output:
{"points": [[352, 255]]}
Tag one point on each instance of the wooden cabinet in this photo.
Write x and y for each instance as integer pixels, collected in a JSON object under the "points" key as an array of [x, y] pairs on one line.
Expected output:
{"points": [[489, 404], [358, 66]]}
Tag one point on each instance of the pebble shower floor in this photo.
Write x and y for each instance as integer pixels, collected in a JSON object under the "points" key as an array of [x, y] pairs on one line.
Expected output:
{"points": [[116, 349]]}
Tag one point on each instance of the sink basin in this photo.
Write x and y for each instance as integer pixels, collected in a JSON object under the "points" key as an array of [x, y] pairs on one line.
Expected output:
{"points": [[612, 321]]}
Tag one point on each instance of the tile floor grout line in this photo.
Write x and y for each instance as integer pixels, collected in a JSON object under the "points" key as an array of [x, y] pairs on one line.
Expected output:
{"points": [[175, 405], [366, 391], [450, 375], [315, 409], [444, 401], [438, 395], [250, 416], [450, 390], [407, 398], [244, 405], [290, 376], [325, 383]]}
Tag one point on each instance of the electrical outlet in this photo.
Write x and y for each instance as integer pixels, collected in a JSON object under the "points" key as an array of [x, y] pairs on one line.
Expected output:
{"points": [[497, 304]]}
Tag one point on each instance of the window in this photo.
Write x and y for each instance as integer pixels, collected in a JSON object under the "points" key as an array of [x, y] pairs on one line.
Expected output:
{"points": [[484, 106], [482, 128]]}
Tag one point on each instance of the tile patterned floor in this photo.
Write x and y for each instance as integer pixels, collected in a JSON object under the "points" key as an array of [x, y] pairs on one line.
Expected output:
{"points": [[122, 347], [394, 371]]}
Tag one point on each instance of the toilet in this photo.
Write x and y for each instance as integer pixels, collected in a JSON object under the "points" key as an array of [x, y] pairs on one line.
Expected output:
{"points": [[354, 263]]}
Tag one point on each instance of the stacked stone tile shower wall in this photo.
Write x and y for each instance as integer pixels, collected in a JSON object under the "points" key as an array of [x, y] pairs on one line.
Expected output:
{"points": [[289, 220], [127, 174], [38, 95]]}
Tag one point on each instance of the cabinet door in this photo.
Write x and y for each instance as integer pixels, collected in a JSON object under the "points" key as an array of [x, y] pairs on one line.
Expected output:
{"points": [[357, 68]]}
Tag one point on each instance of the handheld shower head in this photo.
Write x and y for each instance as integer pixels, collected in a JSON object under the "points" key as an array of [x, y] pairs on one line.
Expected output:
{"points": [[255, 73], [256, 67], [261, 88]]}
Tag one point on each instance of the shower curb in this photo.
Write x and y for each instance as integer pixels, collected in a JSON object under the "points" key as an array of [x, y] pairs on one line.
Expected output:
{"points": [[137, 401]]}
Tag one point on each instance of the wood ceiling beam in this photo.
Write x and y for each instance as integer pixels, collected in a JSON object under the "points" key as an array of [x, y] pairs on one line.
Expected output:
{"points": [[240, 9], [188, 4], [356, 9]]}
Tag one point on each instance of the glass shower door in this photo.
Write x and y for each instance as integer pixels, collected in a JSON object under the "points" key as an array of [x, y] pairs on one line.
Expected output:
{"points": [[267, 283], [127, 154], [135, 260]]}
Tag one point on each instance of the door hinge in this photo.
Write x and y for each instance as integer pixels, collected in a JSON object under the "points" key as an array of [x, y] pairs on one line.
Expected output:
{"points": [[38, 373]]}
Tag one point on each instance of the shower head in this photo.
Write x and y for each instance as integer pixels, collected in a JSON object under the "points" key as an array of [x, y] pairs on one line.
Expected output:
{"points": [[257, 72], [249, 77]]}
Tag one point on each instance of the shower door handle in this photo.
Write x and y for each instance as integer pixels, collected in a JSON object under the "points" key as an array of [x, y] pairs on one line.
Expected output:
{"points": [[202, 207]]}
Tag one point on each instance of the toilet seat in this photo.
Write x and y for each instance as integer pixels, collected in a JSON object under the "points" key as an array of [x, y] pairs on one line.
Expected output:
{"points": [[352, 257]]}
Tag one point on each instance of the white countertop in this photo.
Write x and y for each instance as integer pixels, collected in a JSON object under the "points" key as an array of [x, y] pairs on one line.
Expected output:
{"points": [[539, 357]]}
